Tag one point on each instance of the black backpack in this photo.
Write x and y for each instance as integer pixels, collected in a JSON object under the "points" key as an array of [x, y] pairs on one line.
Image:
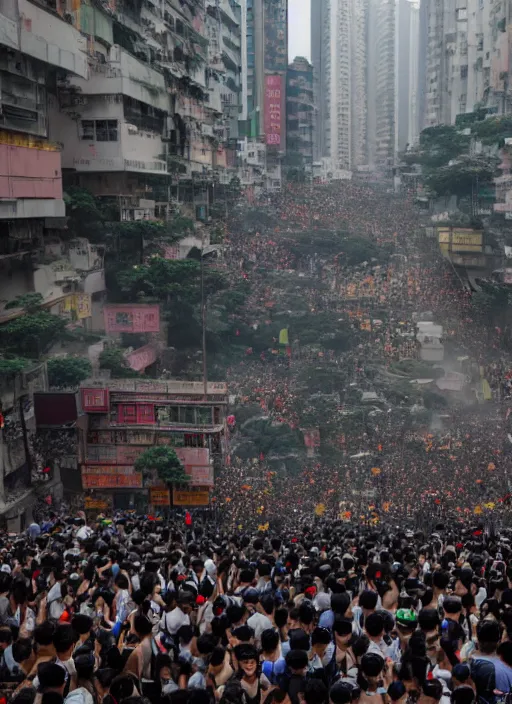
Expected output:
{"points": [[483, 675]]}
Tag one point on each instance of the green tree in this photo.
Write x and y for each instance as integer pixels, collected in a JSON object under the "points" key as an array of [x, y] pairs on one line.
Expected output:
{"points": [[68, 371], [463, 176], [28, 301], [12, 366], [264, 437], [84, 212], [162, 462], [493, 130], [438, 145], [162, 279], [113, 360], [31, 335]]}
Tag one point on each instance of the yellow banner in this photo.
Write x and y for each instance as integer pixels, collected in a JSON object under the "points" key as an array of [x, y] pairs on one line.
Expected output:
{"points": [[459, 239], [159, 496], [190, 498], [82, 305], [98, 504], [79, 303], [283, 337]]}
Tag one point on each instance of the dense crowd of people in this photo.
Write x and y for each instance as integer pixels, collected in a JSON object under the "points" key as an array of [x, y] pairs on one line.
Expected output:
{"points": [[405, 458], [376, 563], [130, 610]]}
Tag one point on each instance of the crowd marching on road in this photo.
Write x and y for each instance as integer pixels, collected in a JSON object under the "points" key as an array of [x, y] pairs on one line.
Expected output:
{"points": [[381, 572]]}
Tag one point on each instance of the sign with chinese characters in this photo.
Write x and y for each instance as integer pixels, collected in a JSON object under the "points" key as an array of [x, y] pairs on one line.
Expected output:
{"points": [[78, 304], [182, 497], [111, 478], [159, 496], [95, 400], [106, 469], [132, 318], [143, 357], [91, 502], [273, 112]]}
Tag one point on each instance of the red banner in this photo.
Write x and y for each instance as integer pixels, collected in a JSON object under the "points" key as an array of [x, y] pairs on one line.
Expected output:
{"points": [[112, 481], [273, 110]]}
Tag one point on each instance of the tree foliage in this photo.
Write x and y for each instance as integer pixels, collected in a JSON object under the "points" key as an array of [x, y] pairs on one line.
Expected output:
{"points": [[113, 360], [31, 335], [462, 176], [68, 371], [163, 462], [267, 438], [162, 279], [29, 301], [438, 145], [12, 366], [493, 130]]}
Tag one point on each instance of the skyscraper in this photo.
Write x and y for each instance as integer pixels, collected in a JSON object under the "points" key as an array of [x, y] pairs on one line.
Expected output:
{"points": [[338, 47], [267, 63], [392, 76]]}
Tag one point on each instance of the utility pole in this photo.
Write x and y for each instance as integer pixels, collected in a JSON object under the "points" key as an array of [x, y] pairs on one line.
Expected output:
{"points": [[203, 321]]}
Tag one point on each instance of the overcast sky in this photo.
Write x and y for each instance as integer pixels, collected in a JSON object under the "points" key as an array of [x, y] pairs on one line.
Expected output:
{"points": [[299, 43]]}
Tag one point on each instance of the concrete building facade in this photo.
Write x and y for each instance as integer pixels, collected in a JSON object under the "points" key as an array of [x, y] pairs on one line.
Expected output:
{"points": [[393, 27], [339, 51], [464, 58], [300, 113]]}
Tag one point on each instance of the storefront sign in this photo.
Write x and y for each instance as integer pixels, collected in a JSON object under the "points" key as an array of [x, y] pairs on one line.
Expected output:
{"points": [[98, 504], [159, 496], [111, 480], [190, 498]]}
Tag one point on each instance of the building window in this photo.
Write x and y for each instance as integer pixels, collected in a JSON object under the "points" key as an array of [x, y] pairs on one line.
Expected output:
{"points": [[98, 130], [463, 71], [146, 413], [127, 413]]}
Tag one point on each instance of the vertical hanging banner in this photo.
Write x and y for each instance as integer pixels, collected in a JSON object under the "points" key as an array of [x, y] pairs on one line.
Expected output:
{"points": [[273, 112]]}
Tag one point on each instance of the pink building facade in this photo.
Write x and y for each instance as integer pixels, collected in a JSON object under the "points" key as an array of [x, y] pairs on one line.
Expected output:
{"points": [[26, 172]]}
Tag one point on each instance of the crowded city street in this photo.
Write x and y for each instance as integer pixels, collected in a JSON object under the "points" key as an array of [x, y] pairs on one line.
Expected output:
{"points": [[357, 541]]}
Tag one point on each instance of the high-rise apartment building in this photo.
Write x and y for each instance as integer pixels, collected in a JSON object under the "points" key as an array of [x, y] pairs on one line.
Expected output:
{"points": [[393, 27], [339, 53], [267, 62], [365, 64], [464, 58], [300, 116]]}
